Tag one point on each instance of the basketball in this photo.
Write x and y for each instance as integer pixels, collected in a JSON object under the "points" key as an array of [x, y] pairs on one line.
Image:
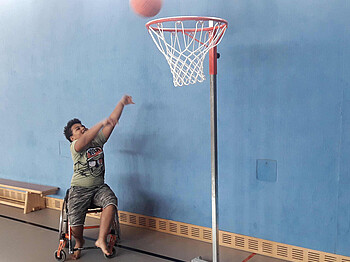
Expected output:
{"points": [[146, 8]]}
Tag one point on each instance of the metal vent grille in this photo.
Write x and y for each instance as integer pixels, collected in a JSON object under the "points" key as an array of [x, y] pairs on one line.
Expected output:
{"points": [[195, 232], [123, 218], [267, 248], [162, 225], [253, 244], [313, 257], [173, 227], [207, 234], [152, 223], [239, 242], [282, 251], [132, 219], [330, 258], [183, 230], [226, 238], [297, 254], [142, 221]]}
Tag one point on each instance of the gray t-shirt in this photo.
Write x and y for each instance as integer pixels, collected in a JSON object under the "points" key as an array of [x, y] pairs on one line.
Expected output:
{"points": [[89, 167]]}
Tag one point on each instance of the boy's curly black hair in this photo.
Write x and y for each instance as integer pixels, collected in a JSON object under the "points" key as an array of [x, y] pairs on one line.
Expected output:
{"points": [[68, 128]]}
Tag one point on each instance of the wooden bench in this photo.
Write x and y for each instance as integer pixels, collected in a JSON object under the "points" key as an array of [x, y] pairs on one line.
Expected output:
{"points": [[30, 199]]}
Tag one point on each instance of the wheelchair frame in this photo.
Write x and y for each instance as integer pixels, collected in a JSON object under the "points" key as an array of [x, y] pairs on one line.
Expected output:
{"points": [[66, 237]]}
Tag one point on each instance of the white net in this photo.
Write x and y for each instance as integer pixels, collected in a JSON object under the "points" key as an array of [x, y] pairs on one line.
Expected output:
{"points": [[185, 45]]}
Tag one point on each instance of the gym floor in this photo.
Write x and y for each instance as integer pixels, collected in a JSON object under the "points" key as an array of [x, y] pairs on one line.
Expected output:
{"points": [[34, 238]]}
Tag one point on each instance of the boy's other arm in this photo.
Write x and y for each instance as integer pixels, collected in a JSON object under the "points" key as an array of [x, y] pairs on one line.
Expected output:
{"points": [[115, 115], [89, 135]]}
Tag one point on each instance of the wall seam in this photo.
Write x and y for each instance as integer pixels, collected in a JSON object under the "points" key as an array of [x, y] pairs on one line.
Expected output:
{"points": [[339, 169]]}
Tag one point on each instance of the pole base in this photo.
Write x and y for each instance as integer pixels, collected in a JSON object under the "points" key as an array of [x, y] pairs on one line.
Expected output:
{"points": [[198, 259]]}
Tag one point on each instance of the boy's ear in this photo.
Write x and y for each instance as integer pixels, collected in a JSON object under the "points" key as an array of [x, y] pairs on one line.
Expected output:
{"points": [[71, 138]]}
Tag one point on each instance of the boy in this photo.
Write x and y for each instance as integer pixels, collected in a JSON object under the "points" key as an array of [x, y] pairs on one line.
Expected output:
{"points": [[87, 184]]}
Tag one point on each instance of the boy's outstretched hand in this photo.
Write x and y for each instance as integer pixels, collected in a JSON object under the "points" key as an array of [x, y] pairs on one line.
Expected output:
{"points": [[126, 100]]}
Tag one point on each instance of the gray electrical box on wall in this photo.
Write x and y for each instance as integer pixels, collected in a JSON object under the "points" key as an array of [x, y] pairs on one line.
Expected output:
{"points": [[266, 170]]}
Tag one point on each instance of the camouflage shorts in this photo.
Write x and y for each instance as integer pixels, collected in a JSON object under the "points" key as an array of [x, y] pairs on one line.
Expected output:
{"points": [[81, 198]]}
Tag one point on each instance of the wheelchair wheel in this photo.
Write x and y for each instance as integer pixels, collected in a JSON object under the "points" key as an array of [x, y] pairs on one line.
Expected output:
{"points": [[63, 226], [114, 252], [62, 255]]}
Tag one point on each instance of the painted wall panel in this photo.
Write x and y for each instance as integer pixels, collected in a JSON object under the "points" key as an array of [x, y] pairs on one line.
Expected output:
{"points": [[283, 95]]}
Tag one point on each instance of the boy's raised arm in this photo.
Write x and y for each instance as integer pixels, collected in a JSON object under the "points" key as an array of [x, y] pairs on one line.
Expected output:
{"points": [[115, 115], [90, 134]]}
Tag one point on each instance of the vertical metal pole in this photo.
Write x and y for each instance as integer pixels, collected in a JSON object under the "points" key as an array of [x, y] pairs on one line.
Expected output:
{"points": [[214, 168], [214, 154]]}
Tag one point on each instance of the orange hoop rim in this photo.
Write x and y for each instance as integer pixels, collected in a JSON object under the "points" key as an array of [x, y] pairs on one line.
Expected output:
{"points": [[150, 24]]}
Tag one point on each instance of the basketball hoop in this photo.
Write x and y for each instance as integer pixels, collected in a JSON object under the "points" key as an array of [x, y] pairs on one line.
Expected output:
{"points": [[184, 42]]}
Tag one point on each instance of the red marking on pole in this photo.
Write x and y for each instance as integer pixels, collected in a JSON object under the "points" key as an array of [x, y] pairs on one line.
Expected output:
{"points": [[248, 258], [213, 58]]}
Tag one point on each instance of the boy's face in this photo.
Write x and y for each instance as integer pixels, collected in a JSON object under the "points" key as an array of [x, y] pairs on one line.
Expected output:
{"points": [[77, 131]]}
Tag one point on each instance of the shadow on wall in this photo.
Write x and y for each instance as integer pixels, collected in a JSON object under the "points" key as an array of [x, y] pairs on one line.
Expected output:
{"points": [[140, 153], [138, 198]]}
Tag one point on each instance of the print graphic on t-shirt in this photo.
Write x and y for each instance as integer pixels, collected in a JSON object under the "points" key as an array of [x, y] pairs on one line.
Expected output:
{"points": [[95, 160]]}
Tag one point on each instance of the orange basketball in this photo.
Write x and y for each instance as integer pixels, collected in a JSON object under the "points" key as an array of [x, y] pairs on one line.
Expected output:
{"points": [[146, 8]]}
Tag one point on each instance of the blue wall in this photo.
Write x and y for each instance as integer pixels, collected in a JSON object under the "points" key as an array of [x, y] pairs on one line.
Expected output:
{"points": [[283, 98]]}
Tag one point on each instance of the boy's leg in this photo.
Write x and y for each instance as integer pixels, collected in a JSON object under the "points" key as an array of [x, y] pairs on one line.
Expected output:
{"points": [[107, 216], [78, 202], [77, 232], [105, 198]]}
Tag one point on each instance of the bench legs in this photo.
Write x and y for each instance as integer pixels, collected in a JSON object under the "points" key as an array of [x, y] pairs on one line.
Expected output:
{"points": [[33, 202]]}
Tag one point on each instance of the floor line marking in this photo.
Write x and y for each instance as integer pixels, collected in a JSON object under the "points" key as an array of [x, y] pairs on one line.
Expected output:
{"points": [[250, 257]]}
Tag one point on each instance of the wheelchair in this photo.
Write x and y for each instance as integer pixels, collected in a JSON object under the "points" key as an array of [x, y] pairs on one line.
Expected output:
{"points": [[66, 237]]}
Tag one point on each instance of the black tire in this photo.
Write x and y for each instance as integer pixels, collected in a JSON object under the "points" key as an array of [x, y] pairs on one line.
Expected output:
{"points": [[62, 255], [114, 252]]}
